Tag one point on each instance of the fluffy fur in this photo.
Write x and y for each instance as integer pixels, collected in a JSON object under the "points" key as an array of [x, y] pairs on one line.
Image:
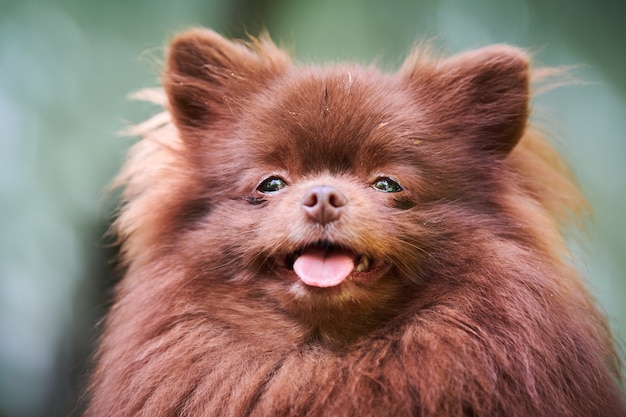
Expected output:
{"points": [[468, 305]]}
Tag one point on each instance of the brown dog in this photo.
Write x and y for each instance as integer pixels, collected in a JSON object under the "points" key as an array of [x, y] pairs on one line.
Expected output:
{"points": [[337, 241]]}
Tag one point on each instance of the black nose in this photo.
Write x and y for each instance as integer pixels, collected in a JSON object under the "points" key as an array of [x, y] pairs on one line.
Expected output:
{"points": [[323, 203]]}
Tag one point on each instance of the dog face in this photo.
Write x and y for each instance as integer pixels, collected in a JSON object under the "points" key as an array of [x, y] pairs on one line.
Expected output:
{"points": [[333, 189]]}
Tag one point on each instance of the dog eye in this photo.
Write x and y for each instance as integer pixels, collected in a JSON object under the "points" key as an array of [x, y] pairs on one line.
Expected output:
{"points": [[271, 185], [387, 185]]}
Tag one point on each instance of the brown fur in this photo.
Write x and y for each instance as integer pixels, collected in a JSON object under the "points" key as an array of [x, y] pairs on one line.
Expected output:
{"points": [[479, 312]]}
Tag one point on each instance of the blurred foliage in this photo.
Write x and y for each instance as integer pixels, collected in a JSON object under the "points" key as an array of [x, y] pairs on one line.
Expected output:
{"points": [[67, 66]]}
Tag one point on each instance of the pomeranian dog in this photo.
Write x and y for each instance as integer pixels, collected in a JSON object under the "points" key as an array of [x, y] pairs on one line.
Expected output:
{"points": [[342, 241]]}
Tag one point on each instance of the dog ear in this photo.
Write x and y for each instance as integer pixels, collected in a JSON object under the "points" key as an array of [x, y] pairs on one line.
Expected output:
{"points": [[481, 96], [207, 77]]}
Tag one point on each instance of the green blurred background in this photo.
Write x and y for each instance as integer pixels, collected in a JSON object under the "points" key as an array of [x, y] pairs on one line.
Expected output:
{"points": [[66, 67]]}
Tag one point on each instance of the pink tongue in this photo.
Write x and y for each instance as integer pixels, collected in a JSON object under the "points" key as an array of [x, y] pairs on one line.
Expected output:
{"points": [[320, 268]]}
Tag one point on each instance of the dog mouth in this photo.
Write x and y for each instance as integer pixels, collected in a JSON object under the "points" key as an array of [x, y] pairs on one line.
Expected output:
{"points": [[326, 265]]}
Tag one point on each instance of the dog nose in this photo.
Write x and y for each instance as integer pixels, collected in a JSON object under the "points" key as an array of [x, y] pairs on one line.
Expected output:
{"points": [[323, 203]]}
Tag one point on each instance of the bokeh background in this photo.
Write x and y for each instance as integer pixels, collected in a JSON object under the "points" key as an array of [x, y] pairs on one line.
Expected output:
{"points": [[67, 66]]}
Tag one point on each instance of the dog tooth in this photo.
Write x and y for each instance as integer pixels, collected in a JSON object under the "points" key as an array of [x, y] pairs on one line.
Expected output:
{"points": [[363, 265]]}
